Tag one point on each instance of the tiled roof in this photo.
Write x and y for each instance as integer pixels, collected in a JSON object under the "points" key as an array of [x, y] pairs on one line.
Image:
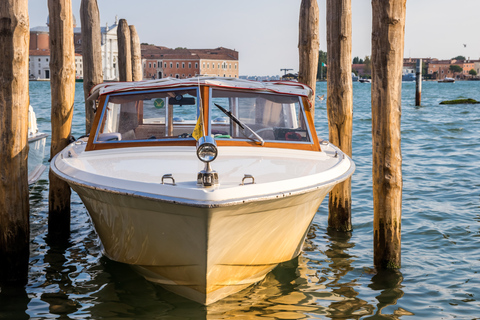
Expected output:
{"points": [[39, 52]]}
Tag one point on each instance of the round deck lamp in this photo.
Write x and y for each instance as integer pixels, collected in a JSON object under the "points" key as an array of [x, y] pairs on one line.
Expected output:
{"points": [[206, 149], [207, 152]]}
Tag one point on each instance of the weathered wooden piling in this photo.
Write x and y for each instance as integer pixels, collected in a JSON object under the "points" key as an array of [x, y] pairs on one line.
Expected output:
{"points": [[92, 55], [124, 51], [14, 100], [340, 103], [137, 73], [388, 31], [418, 92], [309, 45], [62, 82]]}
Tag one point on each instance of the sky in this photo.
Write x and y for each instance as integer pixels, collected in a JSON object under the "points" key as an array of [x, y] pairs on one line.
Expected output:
{"points": [[265, 32]]}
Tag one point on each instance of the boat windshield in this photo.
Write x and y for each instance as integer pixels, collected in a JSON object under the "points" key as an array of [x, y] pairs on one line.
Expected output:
{"points": [[149, 116], [261, 116]]}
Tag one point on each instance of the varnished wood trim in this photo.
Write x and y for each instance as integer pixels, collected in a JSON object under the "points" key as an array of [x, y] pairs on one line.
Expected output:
{"points": [[135, 144], [96, 121], [311, 124], [205, 95]]}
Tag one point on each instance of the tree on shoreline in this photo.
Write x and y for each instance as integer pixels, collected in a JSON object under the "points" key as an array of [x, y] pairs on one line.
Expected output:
{"points": [[455, 69]]}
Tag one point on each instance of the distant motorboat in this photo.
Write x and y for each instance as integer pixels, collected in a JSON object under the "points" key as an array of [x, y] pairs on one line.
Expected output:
{"points": [[446, 80], [36, 151], [365, 80], [409, 77]]}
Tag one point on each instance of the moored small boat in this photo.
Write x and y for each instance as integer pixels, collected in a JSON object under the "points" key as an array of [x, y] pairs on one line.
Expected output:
{"points": [[203, 185], [36, 151]]}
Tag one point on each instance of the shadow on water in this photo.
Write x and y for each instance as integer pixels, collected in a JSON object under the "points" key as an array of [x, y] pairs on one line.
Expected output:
{"points": [[389, 283], [57, 277], [342, 285], [13, 303]]}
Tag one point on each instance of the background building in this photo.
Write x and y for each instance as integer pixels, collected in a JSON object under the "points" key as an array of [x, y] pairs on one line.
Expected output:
{"points": [[39, 65], [162, 62]]}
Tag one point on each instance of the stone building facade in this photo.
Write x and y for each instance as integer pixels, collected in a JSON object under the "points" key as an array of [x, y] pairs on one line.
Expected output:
{"points": [[40, 52], [161, 62]]}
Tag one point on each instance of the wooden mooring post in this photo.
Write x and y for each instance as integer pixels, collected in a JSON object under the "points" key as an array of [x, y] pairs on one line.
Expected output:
{"points": [[418, 91], [14, 100], [340, 103], [124, 51], [137, 73], [388, 31], [92, 55], [62, 82], [309, 46]]}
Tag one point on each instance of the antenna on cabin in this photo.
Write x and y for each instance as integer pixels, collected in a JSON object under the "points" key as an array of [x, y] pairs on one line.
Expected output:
{"points": [[285, 70]]}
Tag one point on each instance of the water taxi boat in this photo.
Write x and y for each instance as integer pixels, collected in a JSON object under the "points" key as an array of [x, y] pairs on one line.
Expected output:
{"points": [[446, 80], [203, 185], [36, 148]]}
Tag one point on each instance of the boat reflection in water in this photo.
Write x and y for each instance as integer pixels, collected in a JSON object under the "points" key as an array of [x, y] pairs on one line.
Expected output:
{"points": [[203, 185]]}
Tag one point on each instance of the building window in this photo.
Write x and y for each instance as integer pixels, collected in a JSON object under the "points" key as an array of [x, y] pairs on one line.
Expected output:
{"points": [[149, 65], [204, 65], [218, 65], [39, 59], [235, 66], [213, 65], [171, 64], [196, 65], [165, 65], [47, 59], [154, 65], [230, 66], [183, 65], [189, 64], [39, 72], [177, 76], [177, 65]]}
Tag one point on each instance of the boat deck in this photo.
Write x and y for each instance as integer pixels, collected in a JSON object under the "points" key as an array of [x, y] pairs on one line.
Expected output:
{"points": [[278, 171]]}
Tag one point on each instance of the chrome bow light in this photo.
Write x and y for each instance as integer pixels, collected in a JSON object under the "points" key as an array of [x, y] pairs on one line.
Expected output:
{"points": [[207, 152]]}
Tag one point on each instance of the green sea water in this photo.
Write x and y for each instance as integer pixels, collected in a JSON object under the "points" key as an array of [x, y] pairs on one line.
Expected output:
{"points": [[334, 277]]}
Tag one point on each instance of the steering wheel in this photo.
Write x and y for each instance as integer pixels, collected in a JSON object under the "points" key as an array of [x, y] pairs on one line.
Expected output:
{"points": [[262, 130]]}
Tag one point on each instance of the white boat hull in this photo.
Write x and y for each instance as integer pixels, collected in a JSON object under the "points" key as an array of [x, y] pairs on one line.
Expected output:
{"points": [[36, 155], [202, 253]]}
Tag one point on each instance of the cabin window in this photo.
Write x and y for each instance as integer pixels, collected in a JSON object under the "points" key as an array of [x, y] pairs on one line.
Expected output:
{"points": [[149, 116], [273, 117]]}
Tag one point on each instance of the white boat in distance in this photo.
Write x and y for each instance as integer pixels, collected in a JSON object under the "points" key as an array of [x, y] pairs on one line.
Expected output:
{"points": [[446, 80], [36, 148], [206, 218]]}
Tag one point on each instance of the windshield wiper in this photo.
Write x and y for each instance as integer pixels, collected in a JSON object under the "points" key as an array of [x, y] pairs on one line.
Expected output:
{"points": [[241, 125]]}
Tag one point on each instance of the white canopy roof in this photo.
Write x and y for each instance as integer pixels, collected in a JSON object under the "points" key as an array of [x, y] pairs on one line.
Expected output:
{"points": [[288, 87]]}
